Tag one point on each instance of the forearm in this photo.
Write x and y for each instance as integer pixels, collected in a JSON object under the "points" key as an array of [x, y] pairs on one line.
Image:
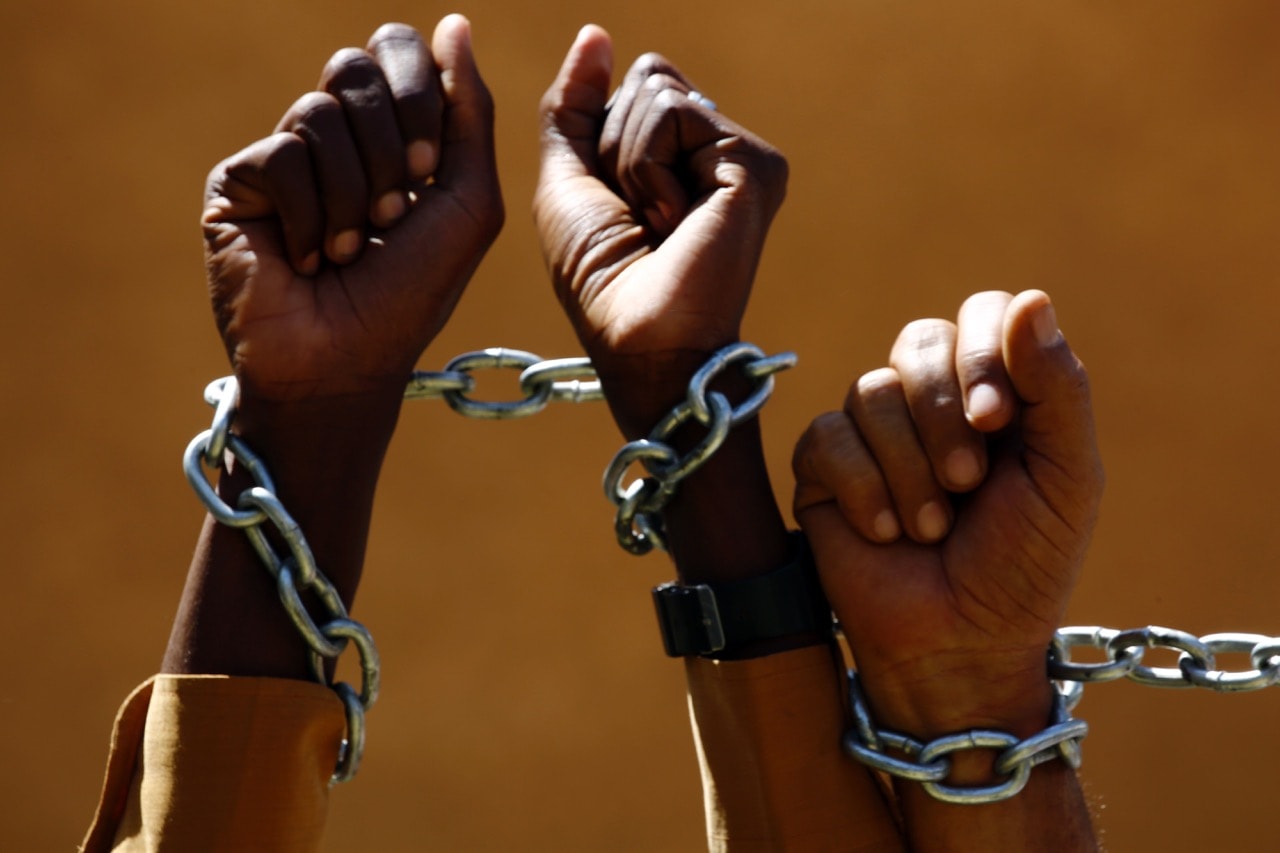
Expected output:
{"points": [[767, 715], [324, 461], [768, 732]]}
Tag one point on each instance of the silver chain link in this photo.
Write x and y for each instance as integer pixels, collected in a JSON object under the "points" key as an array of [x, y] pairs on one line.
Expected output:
{"points": [[294, 573], [542, 382], [570, 380], [638, 523], [927, 763]]}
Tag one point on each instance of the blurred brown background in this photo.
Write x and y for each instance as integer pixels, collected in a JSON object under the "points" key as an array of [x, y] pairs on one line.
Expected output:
{"points": [[1122, 156]]}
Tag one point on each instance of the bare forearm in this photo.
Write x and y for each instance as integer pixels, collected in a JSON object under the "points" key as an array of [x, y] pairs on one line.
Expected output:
{"points": [[325, 463]]}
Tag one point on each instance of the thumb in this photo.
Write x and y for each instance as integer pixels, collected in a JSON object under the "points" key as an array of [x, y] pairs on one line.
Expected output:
{"points": [[467, 162], [573, 109], [1058, 439]]}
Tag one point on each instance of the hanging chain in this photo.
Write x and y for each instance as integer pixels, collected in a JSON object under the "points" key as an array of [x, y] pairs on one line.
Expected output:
{"points": [[542, 382], [928, 763], [638, 523], [294, 572]]}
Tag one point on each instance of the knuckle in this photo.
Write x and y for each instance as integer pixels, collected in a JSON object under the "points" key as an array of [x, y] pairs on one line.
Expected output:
{"points": [[825, 433], [315, 108], [664, 91], [774, 167], [997, 299], [978, 365], [349, 67], [827, 428], [877, 387], [926, 334], [650, 63], [283, 150], [925, 347], [392, 33], [771, 171]]}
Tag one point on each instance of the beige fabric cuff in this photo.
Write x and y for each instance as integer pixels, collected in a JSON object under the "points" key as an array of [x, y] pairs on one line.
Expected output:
{"points": [[209, 762]]}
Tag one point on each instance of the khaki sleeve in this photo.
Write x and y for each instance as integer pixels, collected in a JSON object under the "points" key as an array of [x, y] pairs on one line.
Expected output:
{"points": [[201, 762], [775, 778]]}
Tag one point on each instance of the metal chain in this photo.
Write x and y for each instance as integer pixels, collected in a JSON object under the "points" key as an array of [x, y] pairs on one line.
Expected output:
{"points": [[542, 382], [295, 572], [928, 763], [638, 523], [1197, 663], [570, 380]]}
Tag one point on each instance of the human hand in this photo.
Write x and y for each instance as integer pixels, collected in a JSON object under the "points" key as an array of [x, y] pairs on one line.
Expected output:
{"points": [[337, 247], [949, 507], [652, 210]]}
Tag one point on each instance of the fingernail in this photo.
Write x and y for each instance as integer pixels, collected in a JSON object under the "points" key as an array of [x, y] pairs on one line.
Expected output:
{"points": [[1045, 326], [984, 401], [421, 156], [886, 526], [932, 521], [346, 244], [390, 207], [962, 468], [311, 264]]}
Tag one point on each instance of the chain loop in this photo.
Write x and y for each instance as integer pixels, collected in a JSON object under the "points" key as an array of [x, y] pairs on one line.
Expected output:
{"points": [[755, 365], [572, 380], [222, 394], [1265, 673], [1119, 662], [295, 572], [352, 749], [638, 522], [928, 763], [427, 385], [976, 739]]}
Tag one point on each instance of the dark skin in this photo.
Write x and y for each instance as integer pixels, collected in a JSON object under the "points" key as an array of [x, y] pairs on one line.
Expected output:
{"points": [[653, 215], [949, 605], [338, 246], [653, 211], [336, 249]]}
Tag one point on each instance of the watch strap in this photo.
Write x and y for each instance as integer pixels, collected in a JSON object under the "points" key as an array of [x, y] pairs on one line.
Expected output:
{"points": [[715, 618]]}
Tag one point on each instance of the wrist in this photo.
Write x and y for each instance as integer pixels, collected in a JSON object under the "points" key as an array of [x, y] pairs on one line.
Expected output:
{"points": [[327, 440], [944, 695], [641, 389], [724, 523]]}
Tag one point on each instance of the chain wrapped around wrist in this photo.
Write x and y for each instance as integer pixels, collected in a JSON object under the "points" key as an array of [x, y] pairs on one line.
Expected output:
{"points": [[928, 764], [638, 522], [294, 573]]}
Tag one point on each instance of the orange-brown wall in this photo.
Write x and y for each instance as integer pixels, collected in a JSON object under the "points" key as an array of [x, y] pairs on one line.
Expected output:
{"points": [[1122, 156]]}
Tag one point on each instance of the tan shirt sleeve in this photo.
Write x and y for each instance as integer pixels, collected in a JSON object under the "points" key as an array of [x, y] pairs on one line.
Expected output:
{"points": [[207, 762], [775, 778]]}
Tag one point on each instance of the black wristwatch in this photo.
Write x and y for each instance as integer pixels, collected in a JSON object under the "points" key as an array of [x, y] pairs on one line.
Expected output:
{"points": [[714, 619]]}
